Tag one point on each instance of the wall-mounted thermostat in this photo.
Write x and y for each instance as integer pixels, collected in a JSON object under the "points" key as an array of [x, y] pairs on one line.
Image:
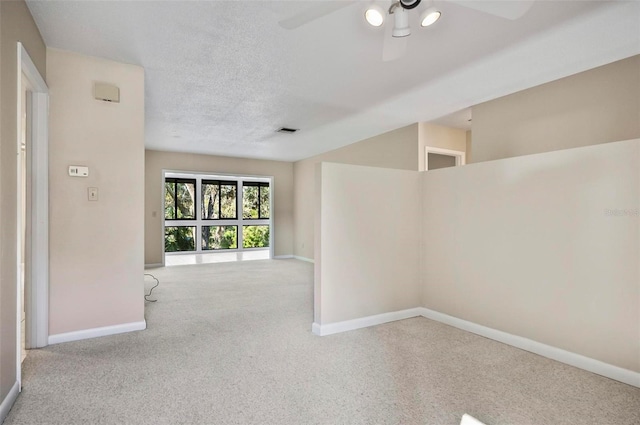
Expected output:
{"points": [[78, 171]]}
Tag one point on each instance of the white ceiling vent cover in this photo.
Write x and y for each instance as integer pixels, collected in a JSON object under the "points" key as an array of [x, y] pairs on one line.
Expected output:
{"points": [[106, 92]]}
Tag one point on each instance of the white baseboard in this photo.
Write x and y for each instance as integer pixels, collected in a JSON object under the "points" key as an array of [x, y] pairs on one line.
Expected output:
{"points": [[364, 322], [582, 362], [97, 332], [308, 260], [153, 266], [8, 401], [282, 257], [577, 360]]}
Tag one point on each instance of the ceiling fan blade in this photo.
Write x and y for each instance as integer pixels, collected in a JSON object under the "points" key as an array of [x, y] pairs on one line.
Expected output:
{"points": [[318, 10], [393, 47], [508, 9]]}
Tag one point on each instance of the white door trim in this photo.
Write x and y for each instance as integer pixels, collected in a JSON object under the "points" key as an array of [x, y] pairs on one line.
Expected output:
{"points": [[37, 293], [459, 155]]}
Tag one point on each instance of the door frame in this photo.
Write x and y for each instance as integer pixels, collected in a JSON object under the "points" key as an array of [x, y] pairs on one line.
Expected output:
{"points": [[460, 156], [36, 298]]}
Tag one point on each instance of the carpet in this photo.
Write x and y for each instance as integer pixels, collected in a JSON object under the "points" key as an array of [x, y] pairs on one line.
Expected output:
{"points": [[231, 343]]}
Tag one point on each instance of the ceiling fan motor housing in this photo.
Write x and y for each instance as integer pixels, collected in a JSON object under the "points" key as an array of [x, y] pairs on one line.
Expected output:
{"points": [[409, 4], [401, 23]]}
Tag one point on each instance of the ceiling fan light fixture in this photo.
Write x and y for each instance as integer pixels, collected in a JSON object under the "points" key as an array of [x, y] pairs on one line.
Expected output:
{"points": [[374, 15], [429, 17], [401, 23]]}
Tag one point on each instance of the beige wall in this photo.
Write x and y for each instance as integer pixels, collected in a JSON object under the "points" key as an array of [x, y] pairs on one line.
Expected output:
{"points": [[156, 161], [597, 106], [438, 136], [395, 149], [97, 247], [16, 24], [524, 245], [468, 138], [369, 242]]}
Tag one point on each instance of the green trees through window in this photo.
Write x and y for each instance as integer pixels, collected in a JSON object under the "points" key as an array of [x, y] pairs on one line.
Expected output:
{"points": [[219, 237], [179, 238], [218, 202], [255, 200], [219, 199], [255, 236], [179, 204], [179, 199]]}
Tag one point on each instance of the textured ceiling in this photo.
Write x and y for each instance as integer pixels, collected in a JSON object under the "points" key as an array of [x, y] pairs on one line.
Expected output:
{"points": [[222, 76]]}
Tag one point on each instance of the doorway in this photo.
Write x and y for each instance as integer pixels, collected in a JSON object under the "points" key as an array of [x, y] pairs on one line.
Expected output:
{"points": [[32, 229], [436, 158], [24, 174]]}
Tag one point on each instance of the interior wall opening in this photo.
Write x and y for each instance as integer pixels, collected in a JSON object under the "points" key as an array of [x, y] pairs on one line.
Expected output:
{"points": [[436, 158], [24, 192], [32, 209]]}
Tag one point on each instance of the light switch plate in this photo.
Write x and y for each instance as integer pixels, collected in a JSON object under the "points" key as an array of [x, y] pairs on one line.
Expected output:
{"points": [[92, 193]]}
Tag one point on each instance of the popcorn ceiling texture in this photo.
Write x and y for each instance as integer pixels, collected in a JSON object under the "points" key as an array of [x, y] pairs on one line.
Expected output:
{"points": [[222, 76]]}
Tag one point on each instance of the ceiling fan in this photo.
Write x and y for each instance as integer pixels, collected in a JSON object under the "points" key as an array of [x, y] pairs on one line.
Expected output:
{"points": [[397, 31]]}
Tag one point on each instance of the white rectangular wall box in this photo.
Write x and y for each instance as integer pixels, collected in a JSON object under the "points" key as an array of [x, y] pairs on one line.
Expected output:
{"points": [[78, 171], [106, 92]]}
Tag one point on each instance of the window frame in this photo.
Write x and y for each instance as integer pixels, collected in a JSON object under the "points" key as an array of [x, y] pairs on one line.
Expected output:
{"points": [[190, 251], [259, 185], [175, 181], [199, 222], [220, 183], [218, 249]]}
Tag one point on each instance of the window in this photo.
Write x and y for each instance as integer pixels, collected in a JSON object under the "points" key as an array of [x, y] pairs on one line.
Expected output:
{"points": [[179, 199], [205, 213], [219, 199], [255, 236], [179, 238], [219, 237], [255, 200]]}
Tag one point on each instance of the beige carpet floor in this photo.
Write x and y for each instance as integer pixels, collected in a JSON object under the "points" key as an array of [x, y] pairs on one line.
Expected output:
{"points": [[231, 344]]}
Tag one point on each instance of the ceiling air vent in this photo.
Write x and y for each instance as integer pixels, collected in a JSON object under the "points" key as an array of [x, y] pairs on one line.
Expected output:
{"points": [[287, 130]]}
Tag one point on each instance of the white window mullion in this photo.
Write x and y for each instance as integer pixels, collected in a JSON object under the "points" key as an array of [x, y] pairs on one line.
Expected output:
{"points": [[239, 199], [197, 200], [271, 214]]}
